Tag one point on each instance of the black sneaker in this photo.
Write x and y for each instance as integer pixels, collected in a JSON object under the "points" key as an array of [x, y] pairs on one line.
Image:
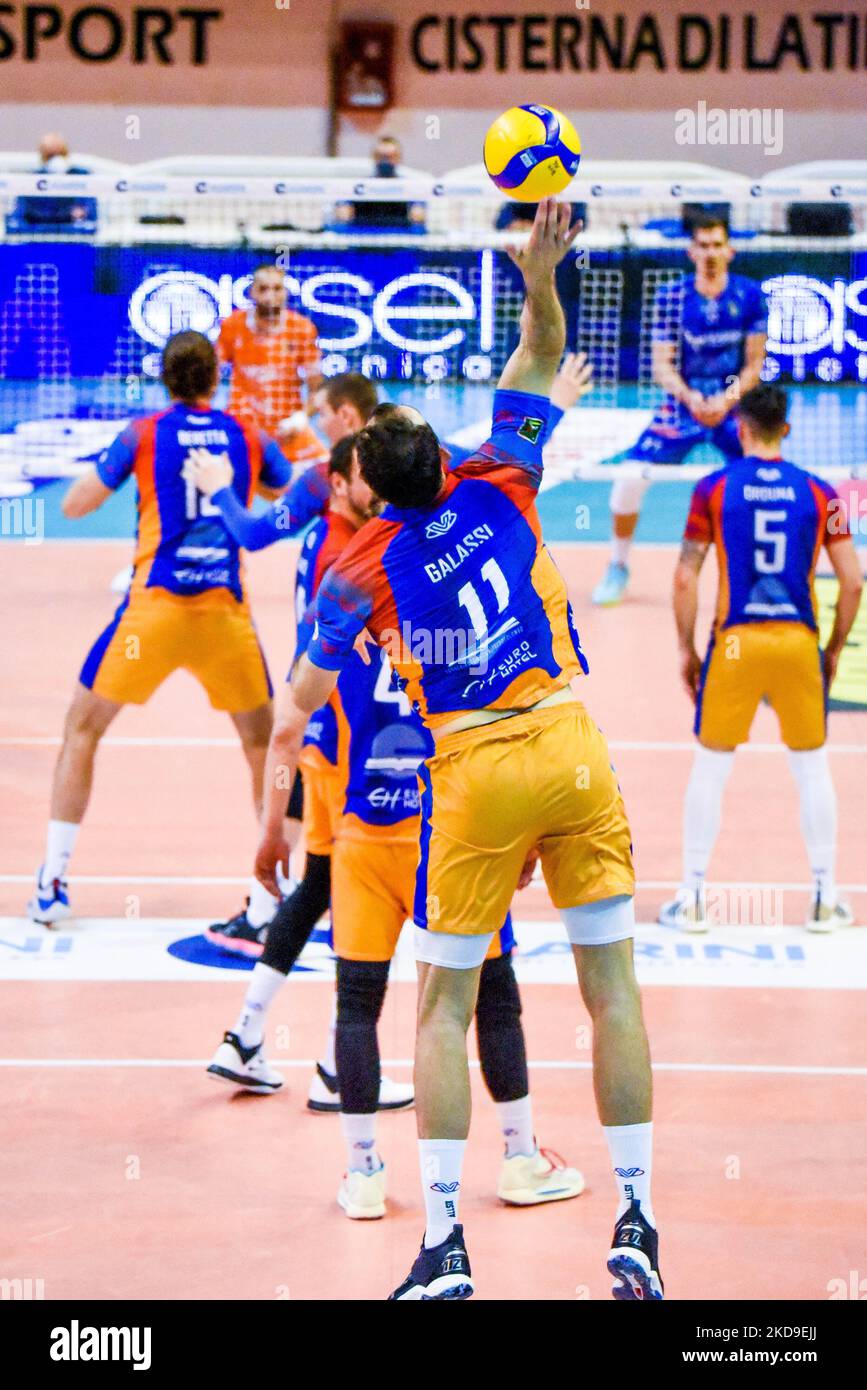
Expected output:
{"points": [[440, 1273], [237, 936], [634, 1258]]}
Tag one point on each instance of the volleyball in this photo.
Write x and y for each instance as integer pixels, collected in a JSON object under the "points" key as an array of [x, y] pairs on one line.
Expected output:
{"points": [[532, 152]]}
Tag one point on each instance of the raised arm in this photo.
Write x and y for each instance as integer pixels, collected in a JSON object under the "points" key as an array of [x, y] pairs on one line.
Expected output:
{"points": [[533, 365]]}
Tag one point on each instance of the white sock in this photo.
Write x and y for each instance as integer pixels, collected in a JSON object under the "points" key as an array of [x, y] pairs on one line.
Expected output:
{"points": [[818, 817], [262, 904], [441, 1161], [359, 1131], [58, 848], [620, 548], [265, 983], [516, 1122], [702, 810], [328, 1060], [631, 1150]]}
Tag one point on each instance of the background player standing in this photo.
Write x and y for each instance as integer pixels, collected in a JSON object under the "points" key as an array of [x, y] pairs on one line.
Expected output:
{"points": [[186, 605], [768, 521], [273, 356], [709, 336]]}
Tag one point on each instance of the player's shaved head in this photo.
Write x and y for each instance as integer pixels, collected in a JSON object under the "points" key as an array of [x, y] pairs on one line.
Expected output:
{"points": [[400, 459], [387, 409], [189, 370], [764, 409]]}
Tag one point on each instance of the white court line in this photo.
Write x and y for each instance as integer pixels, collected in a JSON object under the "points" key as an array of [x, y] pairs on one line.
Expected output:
{"points": [[738, 1068], [209, 880], [616, 745]]}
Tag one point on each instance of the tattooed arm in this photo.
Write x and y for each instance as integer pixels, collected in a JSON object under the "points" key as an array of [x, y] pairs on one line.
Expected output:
{"points": [[692, 554]]}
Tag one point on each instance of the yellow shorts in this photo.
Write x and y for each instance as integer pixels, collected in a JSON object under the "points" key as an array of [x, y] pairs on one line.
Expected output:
{"points": [[372, 894], [540, 780], [780, 662], [154, 633], [324, 795]]}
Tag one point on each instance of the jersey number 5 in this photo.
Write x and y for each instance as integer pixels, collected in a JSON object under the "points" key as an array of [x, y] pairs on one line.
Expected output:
{"points": [[773, 560]]}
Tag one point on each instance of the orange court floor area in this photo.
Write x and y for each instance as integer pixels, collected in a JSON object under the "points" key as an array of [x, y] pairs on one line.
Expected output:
{"points": [[127, 1173]]}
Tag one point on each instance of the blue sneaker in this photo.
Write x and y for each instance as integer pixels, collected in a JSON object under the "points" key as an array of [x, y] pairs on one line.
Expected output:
{"points": [[634, 1259], [440, 1273], [611, 589], [50, 902]]}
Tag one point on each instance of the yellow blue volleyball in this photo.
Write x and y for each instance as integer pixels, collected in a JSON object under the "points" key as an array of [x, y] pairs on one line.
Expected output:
{"points": [[532, 152]]}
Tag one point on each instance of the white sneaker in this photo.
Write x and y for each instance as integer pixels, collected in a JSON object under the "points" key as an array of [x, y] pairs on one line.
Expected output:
{"points": [[324, 1096], [528, 1179], [686, 912], [244, 1067], [362, 1195], [826, 917], [50, 903]]}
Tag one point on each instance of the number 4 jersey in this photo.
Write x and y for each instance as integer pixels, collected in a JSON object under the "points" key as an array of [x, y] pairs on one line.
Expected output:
{"points": [[768, 520], [462, 594]]}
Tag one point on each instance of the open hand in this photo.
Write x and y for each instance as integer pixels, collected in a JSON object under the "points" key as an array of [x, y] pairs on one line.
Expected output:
{"points": [[208, 472], [548, 242], [573, 381]]}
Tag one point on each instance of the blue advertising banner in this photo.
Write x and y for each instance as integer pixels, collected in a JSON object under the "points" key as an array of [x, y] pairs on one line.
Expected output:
{"points": [[85, 312]]}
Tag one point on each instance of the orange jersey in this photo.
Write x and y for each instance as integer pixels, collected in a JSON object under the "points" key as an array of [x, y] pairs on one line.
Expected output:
{"points": [[268, 368]]}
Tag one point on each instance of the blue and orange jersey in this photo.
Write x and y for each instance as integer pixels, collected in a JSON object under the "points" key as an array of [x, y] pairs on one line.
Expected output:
{"points": [[327, 731], [386, 744], [182, 542], [463, 593], [768, 520], [306, 499], [324, 543]]}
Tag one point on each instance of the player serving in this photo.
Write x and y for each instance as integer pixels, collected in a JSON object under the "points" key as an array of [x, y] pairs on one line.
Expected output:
{"points": [[274, 357], [709, 336], [454, 581]]}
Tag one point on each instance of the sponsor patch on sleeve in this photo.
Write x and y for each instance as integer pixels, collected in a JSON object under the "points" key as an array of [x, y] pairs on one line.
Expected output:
{"points": [[531, 428]]}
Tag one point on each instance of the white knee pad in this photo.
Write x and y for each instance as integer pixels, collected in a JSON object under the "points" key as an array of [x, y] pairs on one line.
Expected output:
{"points": [[627, 494], [600, 924], [453, 952]]}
